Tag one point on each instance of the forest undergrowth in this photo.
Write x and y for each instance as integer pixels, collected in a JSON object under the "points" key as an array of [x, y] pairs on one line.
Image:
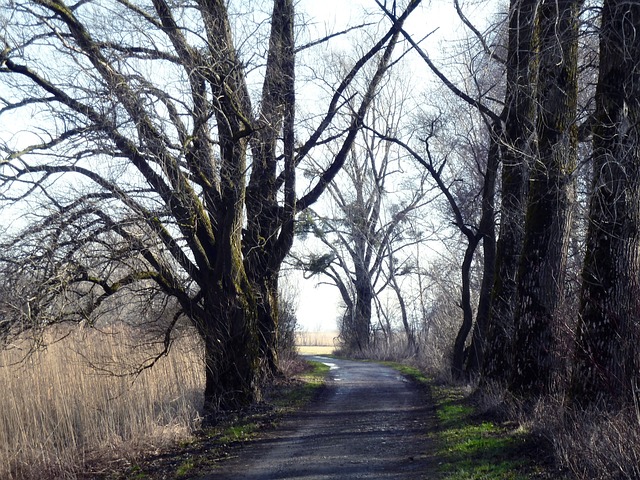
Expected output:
{"points": [[566, 445]]}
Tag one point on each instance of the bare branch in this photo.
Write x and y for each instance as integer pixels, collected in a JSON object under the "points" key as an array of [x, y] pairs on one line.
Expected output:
{"points": [[329, 37]]}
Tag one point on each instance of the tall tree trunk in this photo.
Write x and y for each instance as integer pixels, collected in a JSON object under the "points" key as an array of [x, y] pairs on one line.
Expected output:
{"points": [[227, 322], [269, 230], [488, 232], [606, 356], [542, 267], [457, 364], [517, 147]]}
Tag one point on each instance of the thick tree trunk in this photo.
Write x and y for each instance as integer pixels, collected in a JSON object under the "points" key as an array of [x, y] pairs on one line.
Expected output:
{"points": [[361, 327], [227, 326], [231, 358], [542, 267], [269, 231], [517, 147], [606, 356]]}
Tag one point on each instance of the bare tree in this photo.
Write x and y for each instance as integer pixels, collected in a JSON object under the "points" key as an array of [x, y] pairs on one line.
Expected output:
{"points": [[370, 224], [481, 97], [144, 153]]}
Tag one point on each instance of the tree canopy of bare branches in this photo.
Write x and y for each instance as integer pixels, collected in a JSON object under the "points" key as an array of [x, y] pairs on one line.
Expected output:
{"points": [[144, 161]]}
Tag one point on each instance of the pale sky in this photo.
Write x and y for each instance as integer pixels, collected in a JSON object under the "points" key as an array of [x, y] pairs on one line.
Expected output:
{"points": [[318, 304]]}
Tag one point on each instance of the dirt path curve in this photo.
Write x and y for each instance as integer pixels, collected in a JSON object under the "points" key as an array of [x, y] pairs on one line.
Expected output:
{"points": [[369, 423]]}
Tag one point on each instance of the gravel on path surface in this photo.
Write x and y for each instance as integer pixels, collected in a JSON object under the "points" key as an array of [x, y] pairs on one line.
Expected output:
{"points": [[369, 423]]}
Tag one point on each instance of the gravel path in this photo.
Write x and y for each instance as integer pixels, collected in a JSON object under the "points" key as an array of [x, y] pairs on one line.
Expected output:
{"points": [[369, 423]]}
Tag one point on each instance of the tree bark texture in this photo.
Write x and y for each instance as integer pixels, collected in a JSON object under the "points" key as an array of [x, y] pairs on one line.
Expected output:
{"points": [[606, 363], [269, 230], [548, 218], [517, 148], [231, 349]]}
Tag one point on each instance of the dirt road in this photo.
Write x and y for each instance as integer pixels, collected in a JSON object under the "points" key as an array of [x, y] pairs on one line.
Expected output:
{"points": [[369, 423]]}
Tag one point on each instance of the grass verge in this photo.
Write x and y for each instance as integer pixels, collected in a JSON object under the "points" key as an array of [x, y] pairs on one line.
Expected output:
{"points": [[220, 442], [471, 445]]}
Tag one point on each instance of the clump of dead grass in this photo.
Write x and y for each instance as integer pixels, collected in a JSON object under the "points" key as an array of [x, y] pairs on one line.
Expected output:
{"points": [[597, 444], [582, 444]]}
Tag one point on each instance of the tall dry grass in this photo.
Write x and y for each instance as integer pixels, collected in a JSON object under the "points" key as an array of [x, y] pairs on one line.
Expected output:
{"points": [[64, 410], [597, 444], [592, 444]]}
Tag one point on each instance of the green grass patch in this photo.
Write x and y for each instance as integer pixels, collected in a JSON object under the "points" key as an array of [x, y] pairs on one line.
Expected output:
{"points": [[135, 473], [472, 448], [239, 433], [316, 373], [412, 372], [185, 468], [300, 392]]}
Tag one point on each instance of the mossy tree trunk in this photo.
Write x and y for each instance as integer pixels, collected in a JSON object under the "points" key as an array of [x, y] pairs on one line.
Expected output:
{"points": [[540, 281], [271, 197], [228, 324], [231, 349], [606, 367]]}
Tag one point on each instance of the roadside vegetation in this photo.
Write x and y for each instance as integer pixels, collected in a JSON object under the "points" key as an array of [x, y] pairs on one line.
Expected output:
{"points": [[71, 407], [212, 445], [476, 440], [476, 445], [68, 417], [75, 411]]}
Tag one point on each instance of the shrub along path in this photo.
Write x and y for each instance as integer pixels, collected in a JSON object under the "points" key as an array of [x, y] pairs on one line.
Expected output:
{"points": [[369, 423]]}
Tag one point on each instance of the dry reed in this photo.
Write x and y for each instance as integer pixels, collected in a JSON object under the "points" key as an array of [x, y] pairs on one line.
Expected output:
{"points": [[61, 416]]}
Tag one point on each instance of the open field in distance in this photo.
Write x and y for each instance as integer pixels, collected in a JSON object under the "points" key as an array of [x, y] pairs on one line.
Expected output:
{"points": [[316, 343]]}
